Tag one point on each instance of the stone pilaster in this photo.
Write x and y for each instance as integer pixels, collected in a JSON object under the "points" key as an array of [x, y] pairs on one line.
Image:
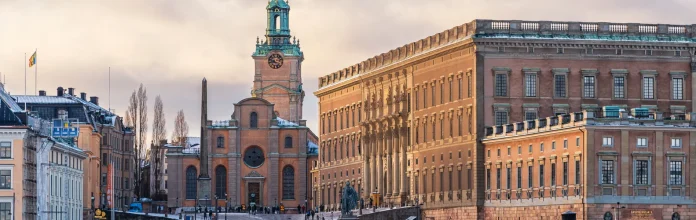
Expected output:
{"points": [[373, 160], [692, 161], [693, 82], [625, 167], [395, 163], [380, 163], [366, 166], [389, 156], [404, 160], [659, 166], [273, 179]]}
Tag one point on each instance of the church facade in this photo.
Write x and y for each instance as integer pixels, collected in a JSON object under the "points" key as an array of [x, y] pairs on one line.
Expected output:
{"points": [[262, 155]]}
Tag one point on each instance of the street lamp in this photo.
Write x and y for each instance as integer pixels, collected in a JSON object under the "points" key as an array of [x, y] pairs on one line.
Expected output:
{"points": [[618, 206], [226, 207], [92, 200]]}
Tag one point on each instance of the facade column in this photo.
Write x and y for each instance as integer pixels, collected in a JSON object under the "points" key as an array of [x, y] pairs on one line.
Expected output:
{"points": [[374, 158], [395, 162], [366, 165], [380, 162], [388, 154], [404, 161]]}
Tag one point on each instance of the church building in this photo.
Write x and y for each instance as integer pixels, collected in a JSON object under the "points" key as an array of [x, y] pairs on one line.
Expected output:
{"points": [[262, 155]]}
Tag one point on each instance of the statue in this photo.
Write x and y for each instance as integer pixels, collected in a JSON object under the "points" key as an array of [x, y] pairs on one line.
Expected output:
{"points": [[349, 200]]}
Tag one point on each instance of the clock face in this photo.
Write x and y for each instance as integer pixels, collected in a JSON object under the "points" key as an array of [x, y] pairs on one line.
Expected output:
{"points": [[275, 61]]}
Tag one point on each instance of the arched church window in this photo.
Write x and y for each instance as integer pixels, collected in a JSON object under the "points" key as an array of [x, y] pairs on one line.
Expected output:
{"points": [[253, 120], [220, 182], [191, 181], [221, 142], [288, 182], [288, 142]]}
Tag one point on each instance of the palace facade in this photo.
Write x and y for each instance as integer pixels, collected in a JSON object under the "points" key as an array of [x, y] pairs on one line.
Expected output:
{"points": [[262, 155], [406, 125]]}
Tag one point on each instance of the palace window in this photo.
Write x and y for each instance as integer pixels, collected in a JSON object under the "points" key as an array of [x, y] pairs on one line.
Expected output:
{"points": [[450, 90], [288, 142], [501, 117], [607, 168], [288, 182], [607, 141], [416, 96], [451, 126], [220, 142], [425, 181], [530, 177], [676, 143], [530, 114], [642, 142], [415, 184], [220, 182], [678, 88], [641, 172], [442, 129], [500, 85], [497, 178], [565, 173], [425, 96], [519, 177], [191, 182], [648, 87], [488, 178], [442, 93], [553, 174], [560, 86], [675, 173], [577, 172], [588, 88], [619, 87], [468, 88], [432, 100], [459, 87], [530, 85], [541, 175], [507, 177], [253, 120], [6, 210], [459, 176]]}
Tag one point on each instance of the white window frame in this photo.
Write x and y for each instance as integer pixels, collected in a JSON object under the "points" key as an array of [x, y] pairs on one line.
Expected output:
{"points": [[11, 149], [613, 179], [9, 167], [607, 141], [642, 142], [678, 143], [531, 92]]}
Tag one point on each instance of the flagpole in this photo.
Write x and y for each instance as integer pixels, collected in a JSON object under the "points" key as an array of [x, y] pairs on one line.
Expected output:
{"points": [[36, 70], [109, 89], [25, 80]]}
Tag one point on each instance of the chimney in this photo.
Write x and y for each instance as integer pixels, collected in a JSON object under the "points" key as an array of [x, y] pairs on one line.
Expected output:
{"points": [[94, 100], [71, 91], [60, 91], [83, 96], [42, 93]]}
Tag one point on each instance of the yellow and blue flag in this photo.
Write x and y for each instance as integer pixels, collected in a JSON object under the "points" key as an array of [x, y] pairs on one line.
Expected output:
{"points": [[32, 60]]}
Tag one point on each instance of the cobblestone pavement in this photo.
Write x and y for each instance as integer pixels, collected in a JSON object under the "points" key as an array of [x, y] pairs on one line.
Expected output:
{"points": [[245, 216]]}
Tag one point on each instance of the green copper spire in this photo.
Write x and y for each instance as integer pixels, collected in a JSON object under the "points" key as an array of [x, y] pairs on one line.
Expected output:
{"points": [[278, 4], [278, 31]]}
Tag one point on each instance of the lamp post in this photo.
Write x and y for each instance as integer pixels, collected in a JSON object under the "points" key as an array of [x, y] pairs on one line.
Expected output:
{"points": [[616, 209], [226, 207]]}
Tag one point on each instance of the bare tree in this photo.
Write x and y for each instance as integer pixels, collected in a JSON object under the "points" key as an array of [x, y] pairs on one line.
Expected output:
{"points": [[141, 137], [180, 129], [159, 133], [132, 121]]}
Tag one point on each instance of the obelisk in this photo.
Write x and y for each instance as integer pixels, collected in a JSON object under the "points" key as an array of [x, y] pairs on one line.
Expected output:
{"points": [[204, 179]]}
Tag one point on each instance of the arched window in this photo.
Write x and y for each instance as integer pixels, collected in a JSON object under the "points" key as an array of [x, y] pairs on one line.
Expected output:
{"points": [[220, 182], [675, 216], [221, 142], [253, 120], [277, 22], [288, 142], [288, 182], [191, 182]]}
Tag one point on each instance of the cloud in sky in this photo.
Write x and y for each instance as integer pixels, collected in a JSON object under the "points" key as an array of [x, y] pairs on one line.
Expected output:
{"points": [[170, 45]]}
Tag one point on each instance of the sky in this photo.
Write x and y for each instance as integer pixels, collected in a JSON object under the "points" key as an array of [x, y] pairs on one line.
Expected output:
{"points": [[170, 45]]}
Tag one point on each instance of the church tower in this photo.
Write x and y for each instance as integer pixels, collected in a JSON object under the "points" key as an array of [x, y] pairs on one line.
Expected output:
{"points": [[278, 61]]}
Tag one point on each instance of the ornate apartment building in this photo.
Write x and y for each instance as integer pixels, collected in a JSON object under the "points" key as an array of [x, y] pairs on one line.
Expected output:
{"points": [[400, 124]]}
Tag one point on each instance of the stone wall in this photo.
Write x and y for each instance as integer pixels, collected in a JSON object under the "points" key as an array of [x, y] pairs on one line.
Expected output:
{"points": [[468, 212], [533, 212], [394, 214]]}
